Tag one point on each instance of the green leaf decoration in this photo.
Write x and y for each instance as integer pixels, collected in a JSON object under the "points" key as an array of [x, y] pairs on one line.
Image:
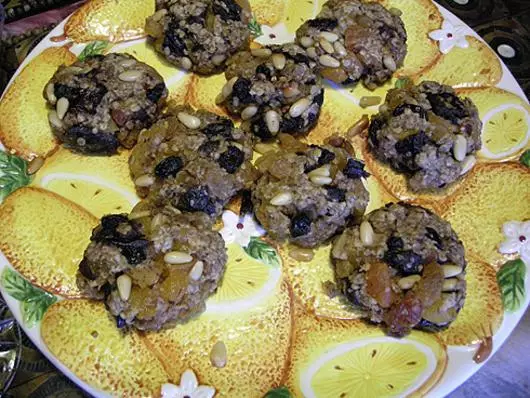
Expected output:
{"points": [[255, 27], [511, 282], [263, 252], [33, 301], [13, 174], [403, 82], [281, 392], [525, 158], [93, 48]]}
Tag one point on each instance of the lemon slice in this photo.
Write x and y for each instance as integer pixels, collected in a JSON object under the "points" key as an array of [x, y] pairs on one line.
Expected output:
{"points": [[247, 283], [373, 367], [506, 131], [96, 196]]}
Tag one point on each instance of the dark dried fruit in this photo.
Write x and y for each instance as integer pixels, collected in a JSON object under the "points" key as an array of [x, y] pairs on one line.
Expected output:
{"points": [[394, 243], [301, 58], [247, 207], [429, 288], [84, 269], [300, 225], [404, 261], [319, 98], [264, 70], [197, 199], [120, 322], [323, 23], [154, 94], [399, 110], [376, 124], [335, 194], [433, 235], [448, 106], [355, 169], [221, 128], [71, 93], [231, 159], [241, 90], [404, 315], [172, 41], [169, 167], [82, 99], [208, 148], [116, 228], [379, 284], [227, 9], [135, 252], [81, 138], [259, 129], [409, 147], [292, 125]]}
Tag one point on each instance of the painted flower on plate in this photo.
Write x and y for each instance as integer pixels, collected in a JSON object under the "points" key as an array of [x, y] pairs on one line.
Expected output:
{"points": [[517, 239], [239, 230], [450, 36], [189, 388]]}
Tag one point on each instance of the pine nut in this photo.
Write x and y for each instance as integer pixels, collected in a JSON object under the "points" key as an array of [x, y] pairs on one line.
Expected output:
{"points": [[185, 63], [263, 148], [50, 93], [339, 48], [395, 11], [54, 120], [451, 270], [127, 63], [196, 271], [306, 41], [229, 86], [218, 355], [460, 147], [272, 119], [449, 285], [312, 52], [124, 283], [219, 99], [249, 112], [130, 75], [261, 52], [282, 199], [468, 163], [35, 165], [366, 233], [144, 181], [327, 46], [177, 258], [188, 120], [278, 60], [299, 107], [329, 36], [218, 59], [301, 254], [157, 16], [321, 171], [367, 101], [389, 62], [62, 107], [139, 214], [320, 180], [328, 60], [408, 281]]}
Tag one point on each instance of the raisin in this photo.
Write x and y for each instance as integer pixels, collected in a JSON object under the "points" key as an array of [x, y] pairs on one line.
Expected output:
{"points": [[399, 110], [433, 235], [231, 159], [172, 41], [82, 139], [135, 252], [319, 98], [409, 147], [404, 315], [241, 90], [323, 23], [197, 199], [335, 194], [301, 58], [292, 125], [355, 169], [92, 97], [448, 106], [222, 128], [376, 124], [326, 156], [394, 243], [169, 167], [227, 9], [264, 70], [71, 93], [140, 116], [106, 289], [154, 94], [120, 322], [405, 261], [246, 207], [208, 148], [259, 128], [84, 269], [108, 231], [300, 225]]}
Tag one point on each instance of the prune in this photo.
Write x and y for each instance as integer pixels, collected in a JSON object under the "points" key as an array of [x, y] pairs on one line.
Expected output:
{"points": [[208, 148], [169, 167], [448, 106], [355, 169], [376, 124], [82, 139], [197, 199], [154, 94], [405, 261], [323, 23], [265, 70], [222, 128], [259, 129], [433, 235], [241, 90], [231, 159], [399, 110], [85, 270], [135, 252], [227, 9], [335, 194], [172, 41], [409, 147], [300, 225]]}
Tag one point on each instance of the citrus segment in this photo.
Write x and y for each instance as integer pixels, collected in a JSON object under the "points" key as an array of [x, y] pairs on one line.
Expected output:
{"points": [[90, 334], [44, 237], [109, 20], [24, 126]]}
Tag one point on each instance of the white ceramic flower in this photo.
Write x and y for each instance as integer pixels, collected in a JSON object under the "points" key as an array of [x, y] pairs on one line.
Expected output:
{"points": [[239, 231], [517, 240], [276, 34], [189, 387], [450, 36]]}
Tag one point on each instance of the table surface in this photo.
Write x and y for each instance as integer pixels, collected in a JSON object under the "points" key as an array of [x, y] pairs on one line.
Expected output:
{"points": [[507, 374]]}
